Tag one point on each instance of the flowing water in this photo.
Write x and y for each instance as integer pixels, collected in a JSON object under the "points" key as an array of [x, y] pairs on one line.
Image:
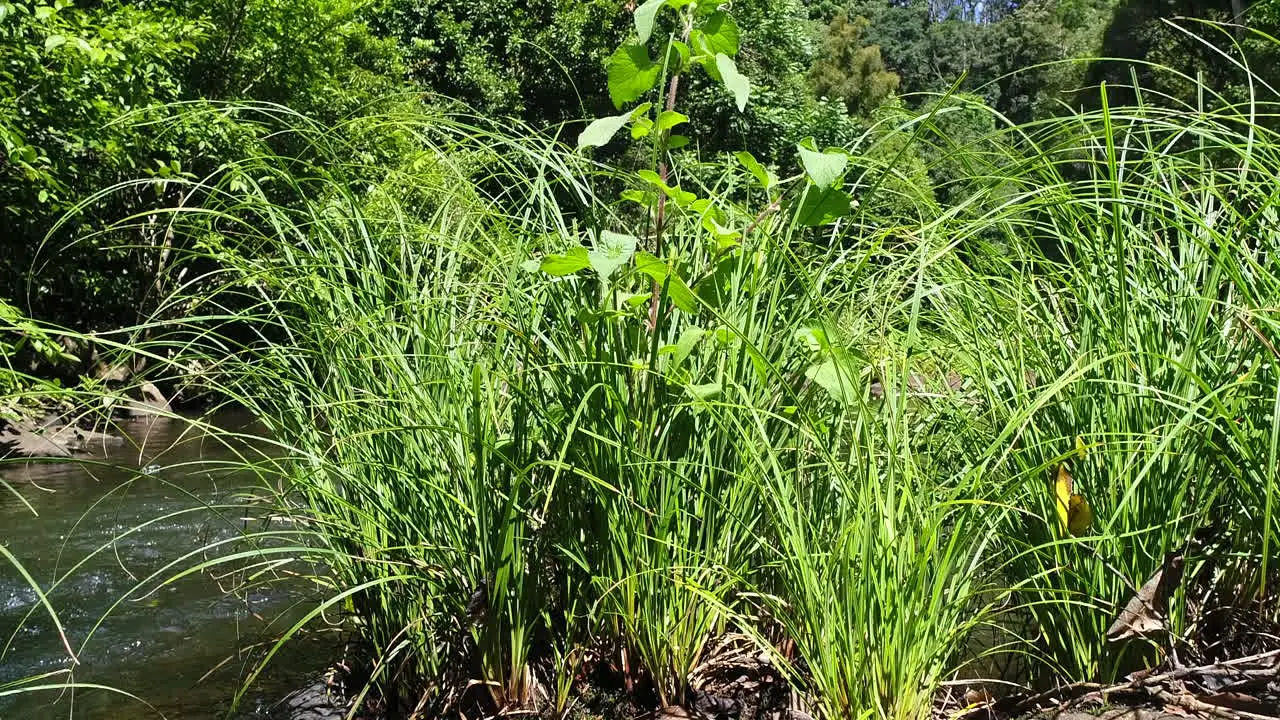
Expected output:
{"points": [[181, 647]]}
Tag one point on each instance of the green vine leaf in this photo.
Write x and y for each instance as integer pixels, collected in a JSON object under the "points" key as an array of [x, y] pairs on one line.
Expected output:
{"points": [[689, 340], [733, 80], [642, 128], [721, 33], [837, 378], [682, 198], [602, 130], [612, 250], [670, 118], [823, 206], [704, 392], [823, 168], [763, 176], [645, 16], [567, 264], [677, 289], [631, 74], [678, 55]]}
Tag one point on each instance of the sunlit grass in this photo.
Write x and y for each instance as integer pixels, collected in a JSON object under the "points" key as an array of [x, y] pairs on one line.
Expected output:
{"points": [[842, 445]]}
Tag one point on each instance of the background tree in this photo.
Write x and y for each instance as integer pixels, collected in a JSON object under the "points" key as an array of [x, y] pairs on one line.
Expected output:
{"points": [[850, 71], [540, 60], [1155, 33], [98, 94], [1036, 47]]}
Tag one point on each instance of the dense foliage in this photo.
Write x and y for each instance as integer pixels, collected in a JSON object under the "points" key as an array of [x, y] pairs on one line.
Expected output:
{"points": [[89, 93], [595, 341]]}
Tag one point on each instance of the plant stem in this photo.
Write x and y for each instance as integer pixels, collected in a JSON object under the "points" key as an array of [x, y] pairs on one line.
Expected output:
{"points": [[664, 170]]}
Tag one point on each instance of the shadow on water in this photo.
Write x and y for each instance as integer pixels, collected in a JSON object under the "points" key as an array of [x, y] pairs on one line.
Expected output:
{"points": [[166, 491]]}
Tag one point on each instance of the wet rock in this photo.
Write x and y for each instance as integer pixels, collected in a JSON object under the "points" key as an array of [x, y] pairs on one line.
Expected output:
{"points": [[55, 436], [78, 440], [314, 702], [25, 440], [148, 401]]}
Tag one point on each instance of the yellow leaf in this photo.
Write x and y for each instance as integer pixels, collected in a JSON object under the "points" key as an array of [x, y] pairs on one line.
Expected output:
{"points": [[1074, 514], [1062, 494]]}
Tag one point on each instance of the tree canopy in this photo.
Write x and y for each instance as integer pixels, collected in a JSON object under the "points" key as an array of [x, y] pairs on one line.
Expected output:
{"points": [[97, 94]]}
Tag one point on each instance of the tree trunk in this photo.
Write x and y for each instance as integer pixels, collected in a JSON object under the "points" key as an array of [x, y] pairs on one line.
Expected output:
{"points": [[1238, 9]]}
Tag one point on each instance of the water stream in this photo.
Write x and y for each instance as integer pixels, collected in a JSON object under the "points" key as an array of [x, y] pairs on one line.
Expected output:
{"points": [[178, 648]]}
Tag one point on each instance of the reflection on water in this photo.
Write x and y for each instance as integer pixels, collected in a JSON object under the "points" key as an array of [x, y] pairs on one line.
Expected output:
{"points": [[166, 492]]}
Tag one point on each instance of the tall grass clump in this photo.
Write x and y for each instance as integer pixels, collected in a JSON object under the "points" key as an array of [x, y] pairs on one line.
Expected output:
{"points": [[1119, 319], [547, 439], [529, 445]]}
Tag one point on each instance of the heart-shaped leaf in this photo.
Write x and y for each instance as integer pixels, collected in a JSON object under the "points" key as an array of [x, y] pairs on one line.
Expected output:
{"points": [[822, 206], [602, 130], [567, 264], [670, 118], [758, 171], [707, 391], [736, 83], [645, 16], [823, 168], [689, 340], [612, 250], [631, 74], [721, 33], [677, 289]]}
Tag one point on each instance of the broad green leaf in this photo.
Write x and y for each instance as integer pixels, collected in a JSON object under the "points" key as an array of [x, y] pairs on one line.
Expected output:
{"points": [[633, 300], [822, 206], [733, 80], [602, 130], [835, 378], [670, 118], [43, 12], [823, 168], [682, 198], [813, 338], [678, 56], [631, 74], [647, 199], [675, 142], [641, 124], [645, 16], [567, 264], [708, 391], [689, 340], [54, 41], [612, 250], [723, 235], [704, 54], [715, 289], [721, 33], [763, 176], [681, 296]]}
